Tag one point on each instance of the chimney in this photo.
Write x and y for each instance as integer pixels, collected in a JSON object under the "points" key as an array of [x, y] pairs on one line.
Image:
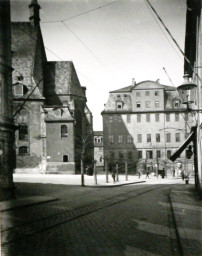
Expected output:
{"points": [[34, 13], [133, 81]]}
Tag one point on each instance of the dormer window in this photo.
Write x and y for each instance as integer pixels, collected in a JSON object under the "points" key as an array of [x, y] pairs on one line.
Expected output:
{"points": [[176, 104], [119, 105], [18, 89]]}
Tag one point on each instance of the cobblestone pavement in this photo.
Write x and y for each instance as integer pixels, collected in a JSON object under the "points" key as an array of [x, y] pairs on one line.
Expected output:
{"points": [[130, 220]]}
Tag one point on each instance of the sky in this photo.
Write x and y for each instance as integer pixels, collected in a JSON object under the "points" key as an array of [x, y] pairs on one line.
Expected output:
{"points": [[110, 42]]}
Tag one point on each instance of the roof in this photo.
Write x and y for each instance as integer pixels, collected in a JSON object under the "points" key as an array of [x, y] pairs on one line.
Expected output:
{"points": [[28, 55], [131, 87], [124, 89]]}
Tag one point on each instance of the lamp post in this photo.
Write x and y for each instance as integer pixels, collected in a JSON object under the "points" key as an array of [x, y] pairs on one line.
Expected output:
{"points": [[95, 171], [184, 91]]}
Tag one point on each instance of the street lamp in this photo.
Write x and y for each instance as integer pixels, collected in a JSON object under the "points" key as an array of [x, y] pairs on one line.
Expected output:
{"points": [[184, 91]]}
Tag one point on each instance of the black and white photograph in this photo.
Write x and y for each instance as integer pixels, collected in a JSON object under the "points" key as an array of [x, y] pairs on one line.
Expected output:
{"points": [[101, 127]]}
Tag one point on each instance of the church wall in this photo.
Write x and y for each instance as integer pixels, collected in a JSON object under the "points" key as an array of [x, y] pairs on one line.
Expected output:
{"points": [[57, 151]]}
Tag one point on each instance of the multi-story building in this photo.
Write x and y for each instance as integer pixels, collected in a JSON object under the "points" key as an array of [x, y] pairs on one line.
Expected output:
{"points": [[50, 108], [98, 149], [144, 124]]}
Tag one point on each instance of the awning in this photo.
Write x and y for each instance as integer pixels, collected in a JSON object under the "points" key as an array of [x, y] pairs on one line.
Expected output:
{"points": [[184, 145]]}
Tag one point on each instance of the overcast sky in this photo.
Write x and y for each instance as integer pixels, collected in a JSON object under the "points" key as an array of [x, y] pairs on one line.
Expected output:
{"points": [[113, 44]]}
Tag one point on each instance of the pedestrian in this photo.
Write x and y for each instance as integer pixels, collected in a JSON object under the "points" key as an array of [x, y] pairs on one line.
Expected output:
{"points": [[139, 174], [113, 176], [182, 174], [173, 172], [147, 174]]}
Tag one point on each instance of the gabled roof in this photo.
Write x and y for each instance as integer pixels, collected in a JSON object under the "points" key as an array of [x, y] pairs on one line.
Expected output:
{"points": [[140, 84], [124, 89], [154, 85]]}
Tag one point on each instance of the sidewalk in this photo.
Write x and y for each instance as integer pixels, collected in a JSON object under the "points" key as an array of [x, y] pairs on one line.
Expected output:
{"points": [[187, 210]]}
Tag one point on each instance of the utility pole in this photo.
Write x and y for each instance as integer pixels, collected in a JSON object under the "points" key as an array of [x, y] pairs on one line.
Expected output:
{"points": [[7, 128]]}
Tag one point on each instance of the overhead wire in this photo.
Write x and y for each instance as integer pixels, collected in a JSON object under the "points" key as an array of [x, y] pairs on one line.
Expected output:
{"points": [[85, 46], [169, 33], [80, 14], [154, 17]]}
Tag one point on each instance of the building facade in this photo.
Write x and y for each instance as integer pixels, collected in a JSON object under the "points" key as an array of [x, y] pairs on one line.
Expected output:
{"points": [[50, 105], [144, 124], [98, 149]]}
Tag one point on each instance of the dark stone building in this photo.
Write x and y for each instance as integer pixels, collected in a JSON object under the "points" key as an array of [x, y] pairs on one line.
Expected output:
{"points": [[7, 127], [49, 105]]}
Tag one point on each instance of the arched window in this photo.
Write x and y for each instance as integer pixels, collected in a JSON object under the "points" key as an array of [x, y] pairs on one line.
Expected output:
{"points": [[23, 150], [64, 131], [65, 158], [23, 132]]}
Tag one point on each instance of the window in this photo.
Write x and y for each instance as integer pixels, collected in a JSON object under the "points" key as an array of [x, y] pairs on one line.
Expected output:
{"points": [[147, 93], [23, 132], [157, 104], [119, 119], [120, 155], [111, 139], [139, 154], [119, 105], [65, 158], [138, 105], [149, 154], [158, 137], [138, 118], [65, 103], [167, 117], [176, 104], [148, 117], [177, 117], [129, 139], [177, 137], [158, 153], [168, 153], [101, 159], [23, 150], [128, 119], [139, 138], [130, 155], [138, 94], [64, 132], [147, 103], [156, 93], [120, 138], [168, 137], [95, 140], [110, 119], [157, 117], [148, 137], [186, 116], [18, 89]]}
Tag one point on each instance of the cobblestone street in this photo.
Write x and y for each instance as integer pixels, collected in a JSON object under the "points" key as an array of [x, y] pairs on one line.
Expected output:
{"points": [[128, 220]]}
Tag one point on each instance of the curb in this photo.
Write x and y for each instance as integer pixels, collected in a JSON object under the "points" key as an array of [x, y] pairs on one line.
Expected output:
{"points": [[113, 185], [180, 231]]}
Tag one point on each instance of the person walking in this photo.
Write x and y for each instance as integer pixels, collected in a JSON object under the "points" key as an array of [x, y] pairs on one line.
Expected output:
{"points": [[147, 174], [113, 175], [139, 174]]}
